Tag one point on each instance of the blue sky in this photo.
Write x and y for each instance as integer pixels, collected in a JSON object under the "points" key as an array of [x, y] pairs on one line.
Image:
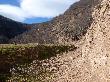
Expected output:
{"points": [[29, 20], [36, 20], [33, 11], [12, 2]]}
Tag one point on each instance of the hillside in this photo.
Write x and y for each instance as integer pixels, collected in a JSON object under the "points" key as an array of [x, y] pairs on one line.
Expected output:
{"points": [[82, 32], [9, 29], [67, 27]]}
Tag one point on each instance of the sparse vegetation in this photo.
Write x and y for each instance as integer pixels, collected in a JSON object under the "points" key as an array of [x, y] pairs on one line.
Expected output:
{"points": [[21, 56]]}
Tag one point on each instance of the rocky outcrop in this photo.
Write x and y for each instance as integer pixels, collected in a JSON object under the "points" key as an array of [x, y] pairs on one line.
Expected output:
{"points": [[90, 62]]}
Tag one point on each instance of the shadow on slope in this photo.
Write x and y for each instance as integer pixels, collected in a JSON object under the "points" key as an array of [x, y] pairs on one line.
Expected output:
{"points": [[10, 28]]}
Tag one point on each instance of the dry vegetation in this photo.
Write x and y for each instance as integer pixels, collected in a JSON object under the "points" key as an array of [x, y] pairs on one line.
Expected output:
{"points": [[21, 56]]}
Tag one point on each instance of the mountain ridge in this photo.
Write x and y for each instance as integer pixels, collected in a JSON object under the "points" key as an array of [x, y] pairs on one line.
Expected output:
{"points": [[61, 28]]}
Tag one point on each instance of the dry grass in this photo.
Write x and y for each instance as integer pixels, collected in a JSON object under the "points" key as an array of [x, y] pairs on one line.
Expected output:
{"points": [[22, 55]]}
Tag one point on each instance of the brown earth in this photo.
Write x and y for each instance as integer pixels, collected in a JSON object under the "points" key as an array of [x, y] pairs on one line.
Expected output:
{"points": [[92, 61]]}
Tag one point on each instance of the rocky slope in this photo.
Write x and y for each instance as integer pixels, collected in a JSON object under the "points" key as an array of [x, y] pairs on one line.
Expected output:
{"points": [[86, 25], [90, 62], [67, 27]]}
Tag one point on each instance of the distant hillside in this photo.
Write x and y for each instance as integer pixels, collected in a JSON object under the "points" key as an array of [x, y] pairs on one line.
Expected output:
{"points": [[67, 27], [9, 29]]}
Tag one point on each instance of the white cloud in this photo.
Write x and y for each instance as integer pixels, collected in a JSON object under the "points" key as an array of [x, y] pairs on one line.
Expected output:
{"points": [[12, 12], [35, 8]]}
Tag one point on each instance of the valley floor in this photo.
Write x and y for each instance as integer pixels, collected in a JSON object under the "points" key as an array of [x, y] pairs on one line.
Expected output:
{"points": [[30, 62]]}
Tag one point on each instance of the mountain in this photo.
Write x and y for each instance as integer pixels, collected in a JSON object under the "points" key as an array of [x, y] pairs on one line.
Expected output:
{"points": [[90, 62], [67, 27], [9, 29], [86, 24]]}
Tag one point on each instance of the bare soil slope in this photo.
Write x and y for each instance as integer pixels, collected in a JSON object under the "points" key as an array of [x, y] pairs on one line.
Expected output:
{"points": [[91, 62]]}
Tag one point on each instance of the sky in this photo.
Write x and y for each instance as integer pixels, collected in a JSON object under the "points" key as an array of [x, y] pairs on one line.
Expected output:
{"points": [[33, 11]]}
